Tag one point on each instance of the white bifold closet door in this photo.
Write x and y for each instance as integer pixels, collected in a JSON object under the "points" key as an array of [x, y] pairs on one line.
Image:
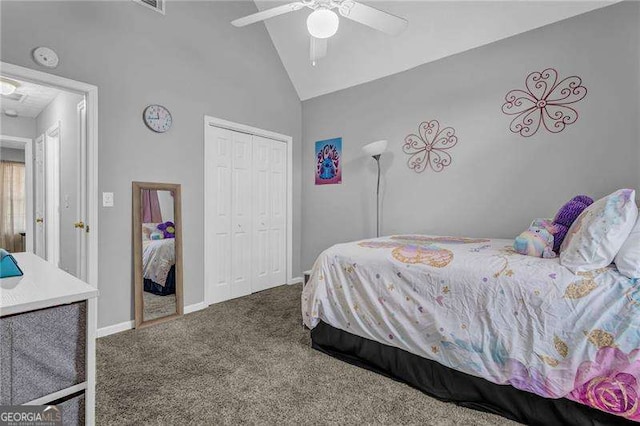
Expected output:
{"points": [[246, 210]]}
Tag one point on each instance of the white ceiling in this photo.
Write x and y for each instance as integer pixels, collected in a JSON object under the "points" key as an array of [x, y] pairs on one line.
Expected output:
{"points": [[437, 29], [37, 98]]}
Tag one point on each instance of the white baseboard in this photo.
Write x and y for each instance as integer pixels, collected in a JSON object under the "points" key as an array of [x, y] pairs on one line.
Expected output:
{"points": [[128, 325], [295, 280], [195, 307], [116, 328]]}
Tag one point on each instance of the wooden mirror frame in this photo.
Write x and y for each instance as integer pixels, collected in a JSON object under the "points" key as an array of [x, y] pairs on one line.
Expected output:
{"points": [[137, 188]]}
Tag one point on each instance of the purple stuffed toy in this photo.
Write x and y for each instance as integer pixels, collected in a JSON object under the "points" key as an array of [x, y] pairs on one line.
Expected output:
{"points": [[566, 216], [168, 229]]}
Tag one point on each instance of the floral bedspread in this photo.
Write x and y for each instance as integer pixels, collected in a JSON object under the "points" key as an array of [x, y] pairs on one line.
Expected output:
{"points": [[477, 306], [158, 256]]}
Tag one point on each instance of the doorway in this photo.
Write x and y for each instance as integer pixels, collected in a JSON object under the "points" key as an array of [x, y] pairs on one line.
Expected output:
{"points": [[248, 209], [57, 118]]}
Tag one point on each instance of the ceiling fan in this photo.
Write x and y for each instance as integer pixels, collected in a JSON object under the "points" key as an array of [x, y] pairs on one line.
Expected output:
{"points": [[323, 22]]}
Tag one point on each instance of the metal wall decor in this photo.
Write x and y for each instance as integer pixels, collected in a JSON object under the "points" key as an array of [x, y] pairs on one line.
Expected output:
{"points": [[430, 147], [544, 100]]}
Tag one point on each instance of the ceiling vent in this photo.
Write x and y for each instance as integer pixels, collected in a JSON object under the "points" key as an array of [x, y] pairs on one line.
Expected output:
{"points": [[15, 96], [157, 5]]}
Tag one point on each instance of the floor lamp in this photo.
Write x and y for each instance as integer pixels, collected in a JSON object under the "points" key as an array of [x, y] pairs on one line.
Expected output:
{"points": [[375, 150]]}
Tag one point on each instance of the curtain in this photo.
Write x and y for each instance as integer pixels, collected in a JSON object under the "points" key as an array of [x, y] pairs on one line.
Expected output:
{"points": [[150, 206], [12, 206]]}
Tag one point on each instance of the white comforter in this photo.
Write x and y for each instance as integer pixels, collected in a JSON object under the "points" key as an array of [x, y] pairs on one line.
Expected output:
{"points": [[477, 306]]}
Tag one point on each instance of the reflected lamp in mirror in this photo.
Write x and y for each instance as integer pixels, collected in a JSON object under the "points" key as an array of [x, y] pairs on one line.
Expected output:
{"points": [[157, 247]]}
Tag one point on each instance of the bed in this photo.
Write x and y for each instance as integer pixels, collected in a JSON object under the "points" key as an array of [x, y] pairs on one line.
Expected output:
{"points": [[158, 266], [473, 322]]}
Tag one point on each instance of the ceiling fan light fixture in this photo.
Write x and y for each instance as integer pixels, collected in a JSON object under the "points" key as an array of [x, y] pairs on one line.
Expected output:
{"points": [[323, 23]]}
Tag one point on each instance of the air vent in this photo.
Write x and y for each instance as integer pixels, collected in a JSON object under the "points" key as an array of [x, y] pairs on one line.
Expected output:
{"points": [[157, 5], [15, 96]]}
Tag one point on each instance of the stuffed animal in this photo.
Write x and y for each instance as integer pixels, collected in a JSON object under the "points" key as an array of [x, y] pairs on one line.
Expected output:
{"points": [[168, 229], [537, 240], [566, 216], [156, 235]]}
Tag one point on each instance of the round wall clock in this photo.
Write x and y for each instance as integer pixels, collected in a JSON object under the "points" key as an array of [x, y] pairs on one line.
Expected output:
{"points": [[157, 118]]}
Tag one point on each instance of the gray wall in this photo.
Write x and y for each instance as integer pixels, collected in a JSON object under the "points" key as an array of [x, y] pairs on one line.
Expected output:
{"points": [[64, 109], [498, 181], [193, 62], [12, 154], [22, 127]]}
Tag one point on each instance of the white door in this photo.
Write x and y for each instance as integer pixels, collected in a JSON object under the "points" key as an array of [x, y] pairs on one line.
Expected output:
{"points": [[278, 217], [40, 239], [261, 213], [245, 213], [269, 201], [218, 156], [241, 243], [52, 197], [81, 226]]}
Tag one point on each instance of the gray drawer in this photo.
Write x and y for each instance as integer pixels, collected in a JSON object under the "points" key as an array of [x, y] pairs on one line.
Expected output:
{"points": [[42, 352], [72, 411]]}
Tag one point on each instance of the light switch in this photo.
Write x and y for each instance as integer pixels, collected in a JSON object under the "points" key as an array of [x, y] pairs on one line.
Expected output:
{"points": [[107, 199]]}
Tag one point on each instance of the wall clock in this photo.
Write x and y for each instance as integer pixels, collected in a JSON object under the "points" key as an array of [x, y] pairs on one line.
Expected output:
{"points": [[157, 118]]}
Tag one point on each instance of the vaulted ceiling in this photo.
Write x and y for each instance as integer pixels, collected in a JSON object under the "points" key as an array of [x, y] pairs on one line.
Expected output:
{"points": [[357, 54]]}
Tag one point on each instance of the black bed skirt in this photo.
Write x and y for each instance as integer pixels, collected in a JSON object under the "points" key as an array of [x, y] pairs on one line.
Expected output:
{"points": [[168, 288], [450, 385]]}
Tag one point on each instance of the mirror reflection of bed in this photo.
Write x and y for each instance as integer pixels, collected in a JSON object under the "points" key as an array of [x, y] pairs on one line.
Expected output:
{"points": [[158, 231]]}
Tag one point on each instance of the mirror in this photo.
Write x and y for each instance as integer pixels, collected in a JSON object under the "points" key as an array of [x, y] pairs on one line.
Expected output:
{"points": [[157, 251]]}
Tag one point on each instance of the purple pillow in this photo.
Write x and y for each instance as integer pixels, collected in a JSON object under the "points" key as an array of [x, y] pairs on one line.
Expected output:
{"points": [[566, 216]]}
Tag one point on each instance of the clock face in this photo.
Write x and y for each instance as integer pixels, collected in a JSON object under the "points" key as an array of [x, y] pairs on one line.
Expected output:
{"points": [[157, 118]]}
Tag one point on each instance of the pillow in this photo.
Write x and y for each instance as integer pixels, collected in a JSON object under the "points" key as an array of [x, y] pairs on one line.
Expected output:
{"points": [[596, 236], [628, 258]]}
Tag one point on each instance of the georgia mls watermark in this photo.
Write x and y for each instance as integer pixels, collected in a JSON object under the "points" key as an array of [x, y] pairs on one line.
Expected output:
{"points": [[30, 415]]}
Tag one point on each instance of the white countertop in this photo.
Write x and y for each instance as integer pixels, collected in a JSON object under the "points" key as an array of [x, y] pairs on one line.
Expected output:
{"points": [[42, 286]]}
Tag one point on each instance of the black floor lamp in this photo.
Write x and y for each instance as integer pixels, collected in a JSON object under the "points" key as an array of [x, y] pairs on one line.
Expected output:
{"points": [[375, 150]]}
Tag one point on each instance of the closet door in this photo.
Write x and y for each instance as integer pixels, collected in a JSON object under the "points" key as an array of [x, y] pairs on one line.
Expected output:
{"points": [[261, 216], [269, 207], [218, 163], [241, 209], [278, 207]]}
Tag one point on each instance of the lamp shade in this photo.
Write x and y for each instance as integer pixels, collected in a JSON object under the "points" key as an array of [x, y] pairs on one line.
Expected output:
{"points": [[375, 148]]}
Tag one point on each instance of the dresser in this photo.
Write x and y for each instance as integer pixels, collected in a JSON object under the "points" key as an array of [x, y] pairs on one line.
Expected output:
{"points": [[47, 340]]}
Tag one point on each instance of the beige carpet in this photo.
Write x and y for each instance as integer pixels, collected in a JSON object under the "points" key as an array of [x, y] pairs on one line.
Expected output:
{"points": [[249, 361]]}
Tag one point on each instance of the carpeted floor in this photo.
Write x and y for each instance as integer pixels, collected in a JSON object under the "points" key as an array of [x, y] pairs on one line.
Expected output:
{"points": [[249, 361]]}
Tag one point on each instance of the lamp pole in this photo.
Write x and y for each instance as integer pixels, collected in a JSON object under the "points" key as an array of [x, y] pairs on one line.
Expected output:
{"points": [[375, 150], [377, 158]]}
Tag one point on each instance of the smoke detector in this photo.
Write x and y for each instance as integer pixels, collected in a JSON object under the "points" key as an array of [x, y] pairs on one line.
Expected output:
{"points": [[45, 56]]}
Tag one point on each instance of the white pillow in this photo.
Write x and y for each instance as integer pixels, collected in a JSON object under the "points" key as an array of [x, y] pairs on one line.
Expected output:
{"points": [[596, 236], [628, 258]]}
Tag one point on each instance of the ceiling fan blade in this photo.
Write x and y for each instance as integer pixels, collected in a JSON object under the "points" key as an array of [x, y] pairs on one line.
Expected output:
{"points": [[266, 14], [372, 17], [318, 49]]}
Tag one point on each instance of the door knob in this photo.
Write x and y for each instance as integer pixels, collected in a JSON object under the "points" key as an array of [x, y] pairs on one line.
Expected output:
{"points": [[79, 225], [39, 220]]}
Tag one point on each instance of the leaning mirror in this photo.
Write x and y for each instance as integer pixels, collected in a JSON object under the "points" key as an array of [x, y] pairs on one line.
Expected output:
{"points": [[157, 250]]}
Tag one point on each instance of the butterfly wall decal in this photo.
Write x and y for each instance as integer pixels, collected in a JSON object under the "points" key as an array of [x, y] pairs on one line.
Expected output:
{"points": [[429, 148]]}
